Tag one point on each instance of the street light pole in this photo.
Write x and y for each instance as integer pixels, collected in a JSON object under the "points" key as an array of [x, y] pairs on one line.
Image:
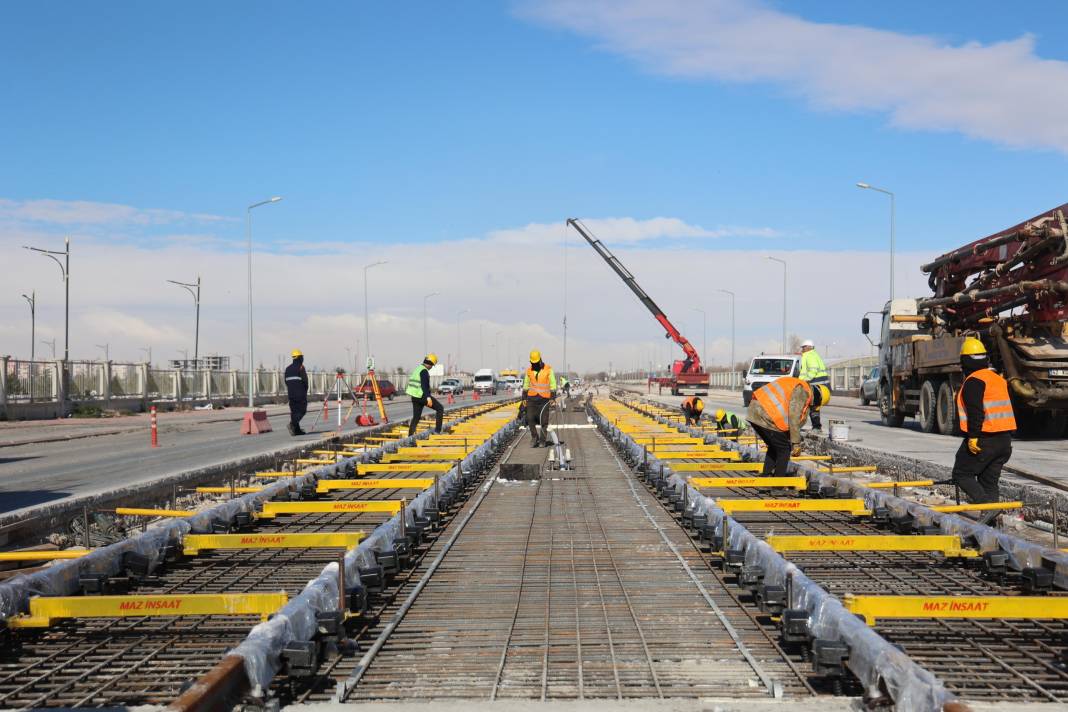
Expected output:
{"points": [[251, 356], [32, 299], [193, 289], [426, 348], [64, 267], [459, 368], [107, 351], [783, 263], [727, 291], [148, 350], [366, 312], [52, 344], [893, 211], [704, 334]]}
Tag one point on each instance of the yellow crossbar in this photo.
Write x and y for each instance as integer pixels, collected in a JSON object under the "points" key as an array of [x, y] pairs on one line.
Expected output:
{"points": [[853, 506], [45, 609], [1021, 607], [328, 453], [834, 469], [272, 509], [892, 485], [193, 544], [43, 555], [404, 467], [137, 512], [313, 461], [425, 457], [947, 544], [399, 483], [718, 466], [699, 455], [670, 440], [798, 483], [280, 473], [977, 507], [226, 490], [811, 458], [457, 450]]}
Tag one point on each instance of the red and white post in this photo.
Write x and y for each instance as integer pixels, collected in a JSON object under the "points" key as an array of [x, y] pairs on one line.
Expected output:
{"points": [[155, 430]]}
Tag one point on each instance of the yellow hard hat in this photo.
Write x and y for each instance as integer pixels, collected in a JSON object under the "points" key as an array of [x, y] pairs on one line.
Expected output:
{"points": [[825, 395], [972, 347], [432, 358], [296, 352], [535, 356], [720, 413]]}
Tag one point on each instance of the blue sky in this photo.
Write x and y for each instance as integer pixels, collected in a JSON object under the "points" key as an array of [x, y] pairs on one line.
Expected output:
{"points": [[399, 123]]}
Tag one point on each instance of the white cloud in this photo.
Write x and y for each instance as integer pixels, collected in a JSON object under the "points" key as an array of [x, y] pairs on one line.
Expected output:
{"points": [[84, 212], [624, 231], [1001, 92]]}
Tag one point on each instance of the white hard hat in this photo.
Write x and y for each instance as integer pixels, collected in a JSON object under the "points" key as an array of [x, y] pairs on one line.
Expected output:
{"points": [[808, 343]]}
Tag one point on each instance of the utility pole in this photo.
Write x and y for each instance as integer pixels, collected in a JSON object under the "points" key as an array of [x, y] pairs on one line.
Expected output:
{"points": [[783, 263], [366, 311], [251, 355], [193, 289], [64, 267], [893, 210], [32, 299]]}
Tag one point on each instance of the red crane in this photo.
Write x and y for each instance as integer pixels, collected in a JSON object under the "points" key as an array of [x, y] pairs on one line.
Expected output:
{"points": [[687, 373]]}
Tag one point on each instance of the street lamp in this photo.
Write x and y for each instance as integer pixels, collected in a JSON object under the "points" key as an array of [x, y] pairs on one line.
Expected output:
{"points": [[704, 333], [32, 300], [51, 343], [106, 348], [866, 186], [366, 316], [727, 291], [148, 350], [64, 267], [196, 302], [251, 356], [426, 349], [783, 263], [459, 314]]}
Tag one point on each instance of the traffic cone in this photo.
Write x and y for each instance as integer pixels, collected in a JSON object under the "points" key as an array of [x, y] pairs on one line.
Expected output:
{"points": [[451, 399]]}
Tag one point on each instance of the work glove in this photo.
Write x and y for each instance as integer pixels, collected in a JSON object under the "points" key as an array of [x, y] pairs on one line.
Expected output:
{"points": [[973, 446], [796, 451]]}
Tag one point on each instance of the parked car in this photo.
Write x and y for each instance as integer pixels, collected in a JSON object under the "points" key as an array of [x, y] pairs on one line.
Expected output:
{"points": [[451, 385], [765, 369], [869, 387], [386, 388]]}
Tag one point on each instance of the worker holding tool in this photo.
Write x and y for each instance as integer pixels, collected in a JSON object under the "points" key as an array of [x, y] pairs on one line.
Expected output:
{"points": [[776, 414], [297, 389], [419, 389], [987, 421], [814, 371], [539, 389], [730, 422], [692, 408]]}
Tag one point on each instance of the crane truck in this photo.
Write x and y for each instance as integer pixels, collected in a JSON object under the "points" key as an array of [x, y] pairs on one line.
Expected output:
{"points": [[1010, 290], [686, 374]]}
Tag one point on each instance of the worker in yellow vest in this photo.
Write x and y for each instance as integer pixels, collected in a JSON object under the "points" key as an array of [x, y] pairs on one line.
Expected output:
{"points": [[814, 372], [987, 421], [776, 413], [539, 388], [419, 390]]}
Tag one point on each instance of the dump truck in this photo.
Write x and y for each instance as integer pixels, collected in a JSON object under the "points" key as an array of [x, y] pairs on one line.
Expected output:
{"points": [[1010, 290]]}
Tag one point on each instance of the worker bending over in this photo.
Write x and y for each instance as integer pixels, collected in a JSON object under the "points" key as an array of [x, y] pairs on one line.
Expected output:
{"points": [[987, 421], [692, 408], [776, 414], [297, 390], [730, 422], [813, 371], [539, 388], [419, 389]]}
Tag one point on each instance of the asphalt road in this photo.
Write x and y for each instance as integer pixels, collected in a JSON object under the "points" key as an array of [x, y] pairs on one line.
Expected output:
{"points": [[1044, 457], [80, 457]]}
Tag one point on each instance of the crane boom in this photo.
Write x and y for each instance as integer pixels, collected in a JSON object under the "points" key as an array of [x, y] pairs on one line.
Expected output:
{"points": [[692, 365]]}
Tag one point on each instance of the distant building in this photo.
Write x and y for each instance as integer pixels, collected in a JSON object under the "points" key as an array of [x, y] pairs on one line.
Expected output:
{"points": [[209, 363]]}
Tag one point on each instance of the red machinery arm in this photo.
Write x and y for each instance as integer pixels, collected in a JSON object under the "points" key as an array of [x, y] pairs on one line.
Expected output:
{"points": [[628, 279]]}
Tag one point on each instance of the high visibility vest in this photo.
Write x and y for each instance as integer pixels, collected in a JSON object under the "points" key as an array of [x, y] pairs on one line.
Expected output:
{"points": [[540, 384], [997, 407], [415, 382], [693, 404], [812, 366], [775, 399], [726, 422]]}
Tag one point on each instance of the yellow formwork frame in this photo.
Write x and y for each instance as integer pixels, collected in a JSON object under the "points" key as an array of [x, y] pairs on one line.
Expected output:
{"points": [[424, 457], [273, 509], [193, 544], [983, 507], [44, 555], [947, 544], [404, 467], [835, 469], [698, 455], [892, 485], [797, 483], [718, 467], [873, 608], [45, 609], [227, 490], [419, 483], [280, 473], [852, 506], [139, 512], [670, 440]]}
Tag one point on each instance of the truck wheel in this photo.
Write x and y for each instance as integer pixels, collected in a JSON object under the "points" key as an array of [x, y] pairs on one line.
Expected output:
{"points": [[890, 417], [947, 410], [928, 413]]}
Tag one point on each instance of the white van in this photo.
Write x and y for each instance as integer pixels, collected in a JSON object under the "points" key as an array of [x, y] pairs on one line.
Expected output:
{"points": [[485, 381], [764, 369]]}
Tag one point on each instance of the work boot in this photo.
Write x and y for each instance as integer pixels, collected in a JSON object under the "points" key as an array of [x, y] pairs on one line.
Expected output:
{"points": [[534, 442], [291, 429]]}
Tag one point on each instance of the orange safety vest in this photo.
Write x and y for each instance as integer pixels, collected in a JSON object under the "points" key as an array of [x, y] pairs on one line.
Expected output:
{"points": [[997, 407], [539, 382], [775, 399], [693, 404]]}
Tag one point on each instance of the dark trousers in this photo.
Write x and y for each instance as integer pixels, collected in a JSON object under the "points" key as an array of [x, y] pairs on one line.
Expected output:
{"points": [[978, 475], [297, 409], [417, 412], [813, 414], [777, 458], [692, 418], [538, 414]]}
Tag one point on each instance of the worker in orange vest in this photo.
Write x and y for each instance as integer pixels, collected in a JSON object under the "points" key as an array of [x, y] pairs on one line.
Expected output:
{"points": [[692, 408], [776, 414], [987, 421], [539, 388]]}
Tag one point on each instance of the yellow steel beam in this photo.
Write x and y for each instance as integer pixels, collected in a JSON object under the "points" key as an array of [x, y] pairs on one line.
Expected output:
{"points": [[328, 453], [138, 512], [45, 609], [313, 461], [457, 450], [834, 469], [873, 608], [273, 509], [798, 483], [399, 483], [947, 544], [226, 490], [193, 544], [718, 466], [892, 485], [698, 455], [43, 555], [853, 506], [427, 457], [280, 473], [670, 440], [811, 458], [977, 507], [405, 467]]}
